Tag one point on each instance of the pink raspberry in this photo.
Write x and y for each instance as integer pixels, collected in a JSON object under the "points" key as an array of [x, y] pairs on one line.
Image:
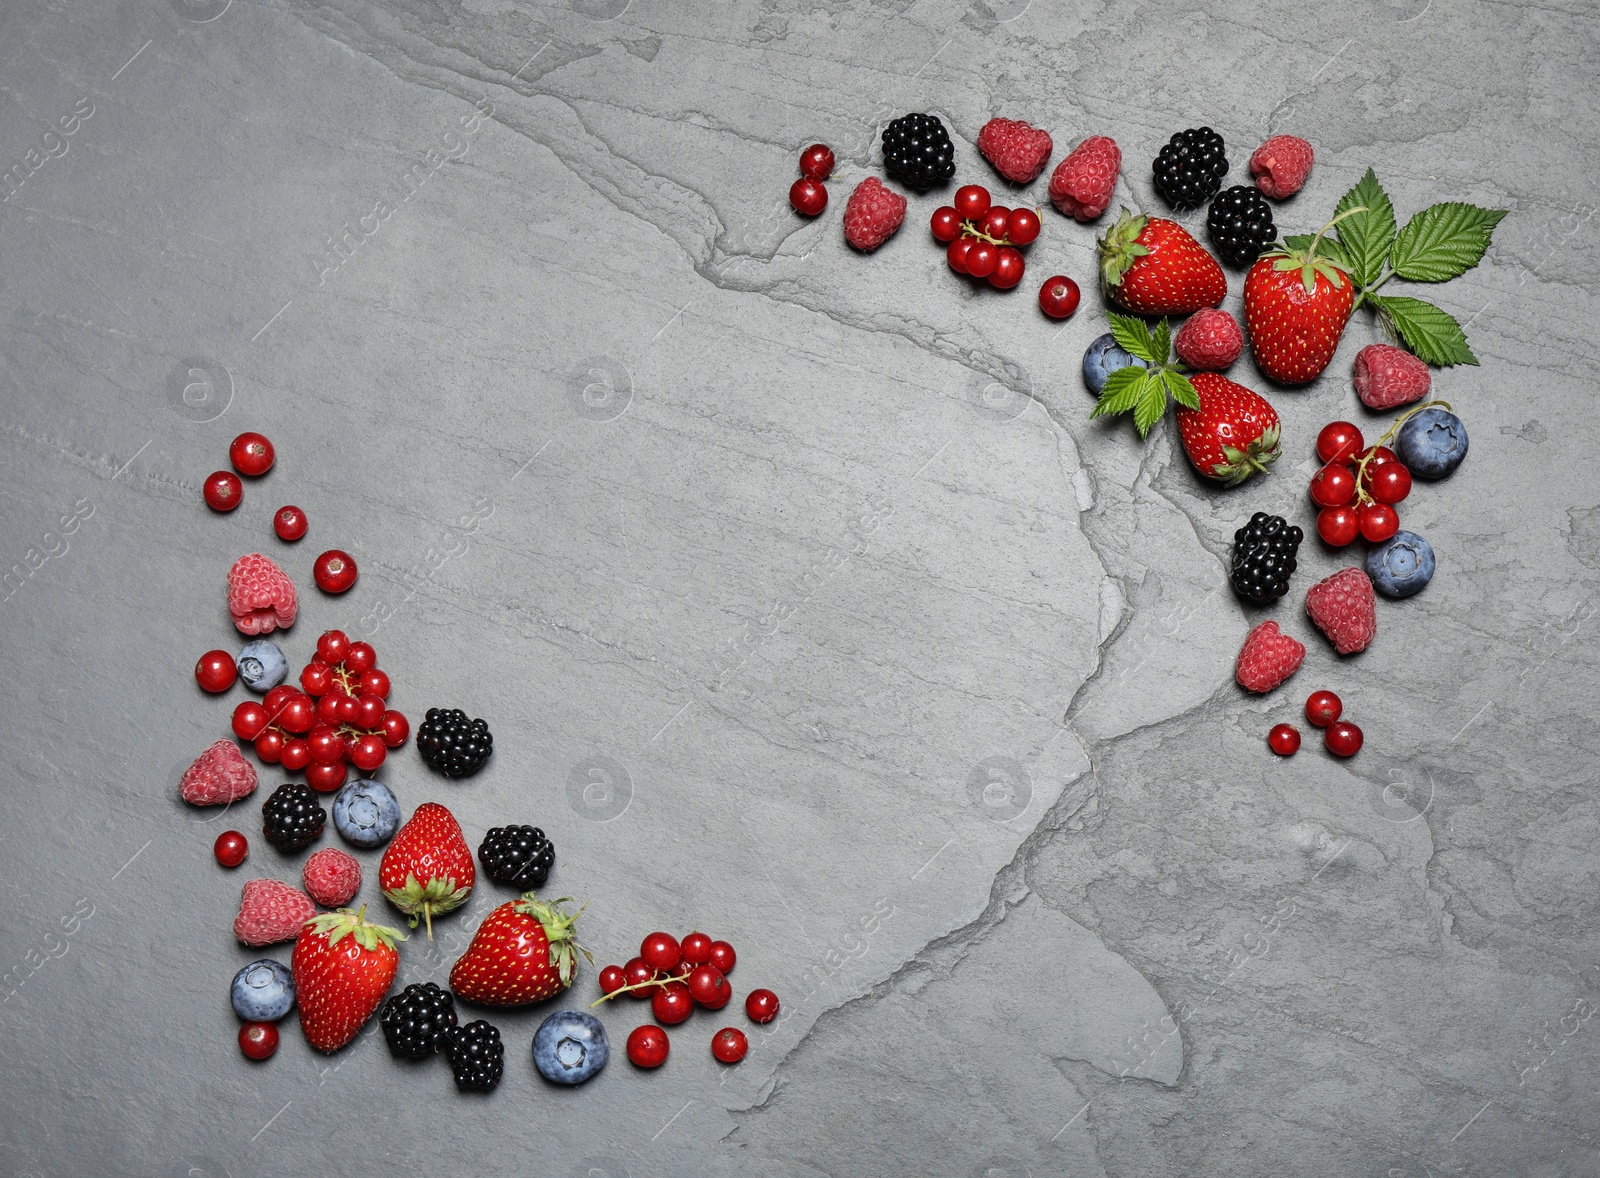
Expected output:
{"points": [[332, 877], [1387, 376], [261, 597], [1268, 658], [1082, 184], [270, 912], [1018, 151], [1209, 340], [873, 214], [1281, 165], [1344, 608], [219, 775]]}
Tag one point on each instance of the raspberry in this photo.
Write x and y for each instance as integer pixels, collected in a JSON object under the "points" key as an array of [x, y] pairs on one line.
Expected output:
{"points": [[218, 775], [1267, 658], [1281, 165], [873, 214], [261, 597], [1018, 151], [1387, 376], [332, 877], [1082, 184], [270, 912], [1209, 340], [1344, 608]]}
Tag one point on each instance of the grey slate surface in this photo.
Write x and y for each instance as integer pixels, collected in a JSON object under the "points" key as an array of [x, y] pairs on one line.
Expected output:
{"points": [[806, 605]]}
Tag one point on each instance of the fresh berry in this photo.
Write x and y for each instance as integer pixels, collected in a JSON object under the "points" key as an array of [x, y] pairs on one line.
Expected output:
{"points": [[1058, 298], [1008, 269], [945, 224], [1377, 521], [1387, 377], [270, 912], [1323, 708], [1209, 340], [1296, 303], [956, 255], [672, 1003], [1338, 526], [816, 162], [1432, 442], [761, 1006], [524, 951], [331, 877], [1344, 608], [1240, 225], [263, 991], [343, 966], [808, 197], [570, 1047], [477, 1056], [258, 1040], [1151, 266], [1333, 486], [1018, 151], [1190, 167], [291, 817], [517, 855], [1022, 227], [332, 646], [648, 1047], [1281, 164], [427, 870], [251, 455], [222, 490], [730, 1045], [723, 956], [1103, 357], [1339, 441], [261, 598], [334, 571], [660, 951], [1082, 184], [695, 949], [1268, 658], [261, 665], [636, 975], [395, 729], [219, 776], [982, 259], [215, 671], [1234, 433], [1343, 739], [917, 152], [1388, 482], [612, 978], [1377, 456], [290, 523], [708, 987], [250, 720], [1284, 739], [1264, 552], [417, 1021], [231, 848], [452, 744], [971, 202], [326, 778], [1401, 565]]}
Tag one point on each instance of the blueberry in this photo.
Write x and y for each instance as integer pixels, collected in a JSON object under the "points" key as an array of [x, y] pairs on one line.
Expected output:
{"points": [[366, 813], [1432, 443], [262, 665], [263, 991], [570, 1046], [1103, 358], [1401, 565]]}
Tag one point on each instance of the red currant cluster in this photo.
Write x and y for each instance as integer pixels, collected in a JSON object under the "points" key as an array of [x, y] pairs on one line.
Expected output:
{"points": [[677, 977], [983, 236], [340, 715], [1358, 501], [807, 194], [1323, 709]]}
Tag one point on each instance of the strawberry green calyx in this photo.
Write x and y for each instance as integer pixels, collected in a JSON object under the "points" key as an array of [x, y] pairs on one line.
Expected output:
{"points": [[1120, 248], [1321, 255], [1145, 389], [424, 901], [336, 926], [1238, 465], [557, 923]]}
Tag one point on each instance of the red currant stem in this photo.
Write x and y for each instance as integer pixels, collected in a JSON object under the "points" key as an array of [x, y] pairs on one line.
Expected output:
{"points": [[968, 229], [656, 981]]}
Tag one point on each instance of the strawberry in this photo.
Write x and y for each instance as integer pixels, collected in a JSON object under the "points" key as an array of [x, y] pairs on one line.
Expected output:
{"points": [[1296, 302], [427, 870], [1152, 266], [342, 968], [1234, 432], [521, 953]]}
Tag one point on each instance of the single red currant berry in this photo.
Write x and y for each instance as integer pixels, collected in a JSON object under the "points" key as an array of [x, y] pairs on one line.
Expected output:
{"points": [[1338, 442], [816, 162], [1378, 521], [761, 1006], [334, 571], [1323, 708], [375, 682], [1058, 297], [326, 746], [298, 715], [1390, 482], [994, 222], [349, 708], [956, 255], [672, 1003], [360, 658], [1333, 486], [1284, 739], [251, 454], [216, 671], [945, 223], [729, 1045], [395, 729], [1338, 526], [332, 647], [972, 201], [258, 1040], [1023, 227], [1342, 738], [982, 259], [327, 708], [269, 746], [1008, 270], [709, 988], [1377, 456], [274, 700], [290, 523], [808, 197], [660, 951], [316, 678], [369, 753], [231, 848], [612, 979], [296, 756], [695, 949], [369, 713], [638, 973], [648, 1047], [222, 490], [250, 720], [723, 956], [325, 778]]}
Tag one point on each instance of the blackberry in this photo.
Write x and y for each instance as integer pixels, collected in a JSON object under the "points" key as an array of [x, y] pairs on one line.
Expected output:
{"points": [[417, 1021], [1263, 557], [1240, 223], [291, 818], [1190, 168], [453, 744], [917, 151], [519, 855], [477, 1057]]}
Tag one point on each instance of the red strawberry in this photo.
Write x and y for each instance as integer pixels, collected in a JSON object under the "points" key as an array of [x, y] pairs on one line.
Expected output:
{"points": [[1344, 608], [1152, 266], [261, 598], [1233, 434], [1082, 184], [342, 968], [1267, 658], [218, 775], [1017, 150], [523, 952], [427, 870], [1296, 303]]}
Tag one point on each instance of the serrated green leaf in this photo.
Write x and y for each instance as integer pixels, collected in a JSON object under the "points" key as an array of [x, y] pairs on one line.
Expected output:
{"points": [[1443, 240], [1431, 333], [1161, 343], [1133, 336], [1366, 237], [1180, 389], [1328, 247], [1151, 405], [1121, 391]]}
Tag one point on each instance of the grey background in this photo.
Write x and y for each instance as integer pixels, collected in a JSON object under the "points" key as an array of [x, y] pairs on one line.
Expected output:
{"points": [[807, 606]]}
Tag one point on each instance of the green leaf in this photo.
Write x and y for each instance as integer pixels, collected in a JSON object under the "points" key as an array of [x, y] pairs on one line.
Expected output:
{"points": [[1328, 247], [1161, 345], [1443, 240], [1151, 405], [1366, 237], [1133, 336], [1181, 390], [1431, 333], [1121, 391]]}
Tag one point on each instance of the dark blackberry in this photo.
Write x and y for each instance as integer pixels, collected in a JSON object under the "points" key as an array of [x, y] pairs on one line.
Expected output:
{"points": [[1190, 168], [1263, 557], [417, 1021], [453, 744], [917, 151], [477, 1057], [1240, 224], [291, 818], [518, 855]]}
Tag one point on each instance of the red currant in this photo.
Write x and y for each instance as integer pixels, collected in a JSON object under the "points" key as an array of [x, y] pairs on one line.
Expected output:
{"points": [[1342, 738], [729, 1045], [945, 223], [369, 713], [269, 746], [808, 197], [660, 951], [972, 201], [816, 162], [332, 647], [723, 956], [1338, 526], [296, 756], [1338, 442], [298, 715], [316, 678], [395, 729], [1378, 521], [360, 658], [276, 698], [251, 454], [1323, 708], [290, 523], [1333, 486], [709, 988], [1284, 739], [1023, 227], [1377, 456], [258, 1040], [637, 973], [250, 720], [672, 1003], [1008, 270], [761, 1006], [222, 490], [994, 221], [1389, 482], [648, 1047], [695, 949], [956, 255], [334, 571], [982, 259], [216, 671], [612, 979], [375, 682], [1058, 297], [231, 848], [325, 778], [369, 753], [326, 746]]}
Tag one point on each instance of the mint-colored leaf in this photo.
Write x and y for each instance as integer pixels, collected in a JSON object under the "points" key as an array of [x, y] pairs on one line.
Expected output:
{"points": [[1121, 391], [1443, 240], [1151, 405], [1161, 344], [1180, 389], [1366, 237], [1133, 336], [1431, 333]]}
